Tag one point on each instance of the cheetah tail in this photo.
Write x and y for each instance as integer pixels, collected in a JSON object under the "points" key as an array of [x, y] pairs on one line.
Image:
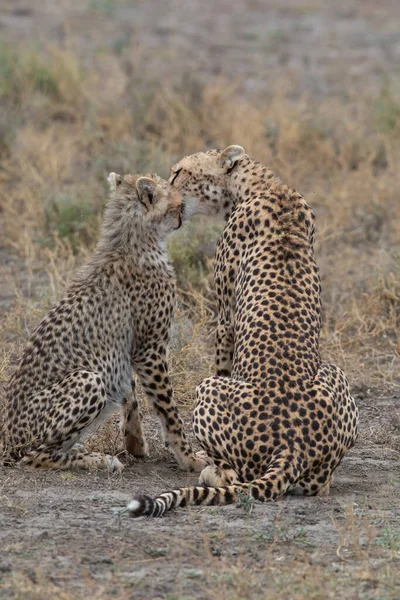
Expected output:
{"points": [[274, 483], [145, 506]]}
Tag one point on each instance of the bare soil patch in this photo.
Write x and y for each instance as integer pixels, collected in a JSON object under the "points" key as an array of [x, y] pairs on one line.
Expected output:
{"points": [[58, 533]]}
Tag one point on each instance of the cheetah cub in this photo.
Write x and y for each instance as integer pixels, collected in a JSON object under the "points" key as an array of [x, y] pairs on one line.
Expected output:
{"points": [[114, 318]]}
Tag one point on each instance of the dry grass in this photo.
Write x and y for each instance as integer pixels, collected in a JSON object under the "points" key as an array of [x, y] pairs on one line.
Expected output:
{"points": [[33, 585], [364, 567], [61, 139]]}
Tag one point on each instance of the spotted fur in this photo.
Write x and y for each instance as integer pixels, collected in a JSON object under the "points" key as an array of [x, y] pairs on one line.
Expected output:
{"points": [[275, 418], [115, 317]]}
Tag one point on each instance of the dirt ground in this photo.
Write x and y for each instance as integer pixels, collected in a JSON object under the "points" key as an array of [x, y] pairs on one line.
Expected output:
{"points": [[60, 535], [60, 528]]}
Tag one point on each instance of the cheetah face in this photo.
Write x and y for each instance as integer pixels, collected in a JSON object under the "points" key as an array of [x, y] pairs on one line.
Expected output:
{"points": [[148, 200], [203, 180]]}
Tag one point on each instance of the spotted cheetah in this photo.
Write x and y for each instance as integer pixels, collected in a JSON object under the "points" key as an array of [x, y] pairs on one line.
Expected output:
{"points": [[275, 418], [115, 317]]}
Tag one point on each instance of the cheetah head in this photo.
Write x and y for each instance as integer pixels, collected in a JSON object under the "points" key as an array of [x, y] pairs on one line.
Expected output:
{"points": [[203, 179], [146, 201]]}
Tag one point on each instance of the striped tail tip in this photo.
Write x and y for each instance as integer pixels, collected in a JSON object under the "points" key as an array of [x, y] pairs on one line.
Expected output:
{"points": [[145, 506], [142, 506]]}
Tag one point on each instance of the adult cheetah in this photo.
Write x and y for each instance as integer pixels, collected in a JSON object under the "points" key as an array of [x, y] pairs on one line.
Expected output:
{"points": [[115, 317], [275, 418]]}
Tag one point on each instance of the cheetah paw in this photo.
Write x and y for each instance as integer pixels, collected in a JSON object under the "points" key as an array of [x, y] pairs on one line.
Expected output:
{"points": [[210, 476], [202, 455], [196, 462], [136, 446], [113, 464]]}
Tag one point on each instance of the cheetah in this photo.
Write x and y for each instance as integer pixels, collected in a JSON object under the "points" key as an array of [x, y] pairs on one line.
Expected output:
{"points": [[275, 418], [115, 318]]}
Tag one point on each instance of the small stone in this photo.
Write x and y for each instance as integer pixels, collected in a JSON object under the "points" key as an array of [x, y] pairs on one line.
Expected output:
{"points": [[5, 566]]}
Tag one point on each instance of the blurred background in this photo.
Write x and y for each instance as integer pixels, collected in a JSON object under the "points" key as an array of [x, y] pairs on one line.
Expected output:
{"points": [[309, 87]]}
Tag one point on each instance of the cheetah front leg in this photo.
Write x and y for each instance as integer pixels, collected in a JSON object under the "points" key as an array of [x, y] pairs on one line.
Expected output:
{"points": [[131, 425], [224, 346], [152, 369]]}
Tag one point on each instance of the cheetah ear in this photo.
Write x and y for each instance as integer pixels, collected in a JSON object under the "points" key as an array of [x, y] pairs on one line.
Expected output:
{"points": [[230, 156], [114, 180], [146, 189]]}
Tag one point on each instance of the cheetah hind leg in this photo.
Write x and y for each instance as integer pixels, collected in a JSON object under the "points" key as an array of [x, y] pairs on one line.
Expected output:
{"points": [[70, 409], [310, 486], [76, 458], [131, 426]]}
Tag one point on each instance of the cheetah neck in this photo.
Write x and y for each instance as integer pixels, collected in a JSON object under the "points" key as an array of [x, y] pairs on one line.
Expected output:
{"points": [[140, 256], [256, 185], [249, 176]]}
